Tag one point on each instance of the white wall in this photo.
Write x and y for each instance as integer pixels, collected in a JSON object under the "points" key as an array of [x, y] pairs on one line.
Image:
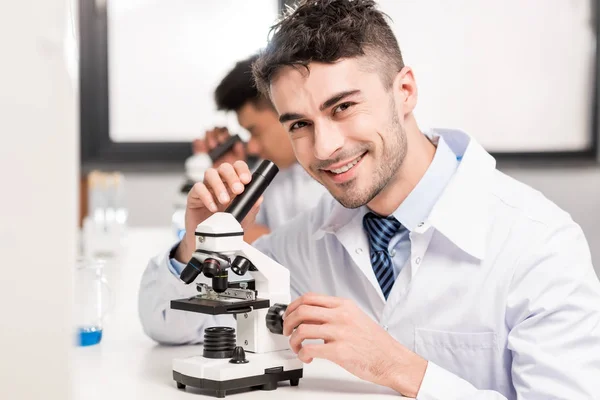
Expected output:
{"points": [[167, 57], [526, 67], [577, 190], [38, 206]]}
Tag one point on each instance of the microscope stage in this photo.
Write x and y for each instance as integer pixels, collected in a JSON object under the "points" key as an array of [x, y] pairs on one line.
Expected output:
{"points": [[263, 371], [218, 306]]}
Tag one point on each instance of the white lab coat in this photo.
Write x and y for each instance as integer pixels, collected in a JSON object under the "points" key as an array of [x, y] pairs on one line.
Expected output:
{"points": [[499, 293]]}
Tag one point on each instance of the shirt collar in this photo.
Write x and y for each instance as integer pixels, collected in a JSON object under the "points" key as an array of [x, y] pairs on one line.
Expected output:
{"points": [[458, 210], [420, 201]]}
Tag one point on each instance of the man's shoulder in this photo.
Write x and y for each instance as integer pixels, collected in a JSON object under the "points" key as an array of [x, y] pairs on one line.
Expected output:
{"points": [[525, 203], [528, 225]]}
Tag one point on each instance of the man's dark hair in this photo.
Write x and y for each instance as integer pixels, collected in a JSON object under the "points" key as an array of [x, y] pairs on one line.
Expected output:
{"points": [[237, 88], [326, 31]]}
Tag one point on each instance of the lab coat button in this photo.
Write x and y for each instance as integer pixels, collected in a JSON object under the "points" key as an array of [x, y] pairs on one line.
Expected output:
{"points": [[359, 250]]}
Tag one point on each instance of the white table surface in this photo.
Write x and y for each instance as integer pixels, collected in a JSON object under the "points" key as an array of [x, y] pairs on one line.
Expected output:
{"points": [[129, 365]]}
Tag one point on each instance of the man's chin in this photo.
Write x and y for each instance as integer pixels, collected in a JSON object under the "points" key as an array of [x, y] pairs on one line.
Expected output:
{"points": [[351, 198]]}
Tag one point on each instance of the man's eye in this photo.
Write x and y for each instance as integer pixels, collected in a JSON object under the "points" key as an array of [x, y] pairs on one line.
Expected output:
{"points": [[342, 107], [298, 125]]}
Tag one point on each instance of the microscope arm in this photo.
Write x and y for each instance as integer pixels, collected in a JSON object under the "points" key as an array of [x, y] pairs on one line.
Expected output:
{"points": [[272, 280]]}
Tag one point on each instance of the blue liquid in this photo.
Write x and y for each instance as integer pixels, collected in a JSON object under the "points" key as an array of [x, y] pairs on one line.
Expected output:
{"points": [[89, 336]]}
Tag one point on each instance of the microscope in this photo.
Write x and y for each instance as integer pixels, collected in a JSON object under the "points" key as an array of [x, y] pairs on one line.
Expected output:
{"points": [[255, 354]]}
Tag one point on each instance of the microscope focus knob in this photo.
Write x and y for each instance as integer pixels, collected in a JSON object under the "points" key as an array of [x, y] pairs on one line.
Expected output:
{"points": [[275, 318]]}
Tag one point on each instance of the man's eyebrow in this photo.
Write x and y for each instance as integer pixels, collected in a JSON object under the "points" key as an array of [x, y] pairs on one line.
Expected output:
{"points": [[328, 103], [337, 97], [290, 117]]}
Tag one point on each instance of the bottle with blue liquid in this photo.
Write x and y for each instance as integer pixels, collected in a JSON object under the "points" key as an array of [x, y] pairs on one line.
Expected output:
{"points": [[92, 298]]}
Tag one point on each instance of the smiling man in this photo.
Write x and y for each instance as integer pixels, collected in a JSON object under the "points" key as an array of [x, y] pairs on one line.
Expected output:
{"points": [[429, 271]]}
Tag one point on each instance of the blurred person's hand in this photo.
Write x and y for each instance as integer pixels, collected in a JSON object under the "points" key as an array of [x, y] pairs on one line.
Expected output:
{"points": [[215, 137], [215, 193]]}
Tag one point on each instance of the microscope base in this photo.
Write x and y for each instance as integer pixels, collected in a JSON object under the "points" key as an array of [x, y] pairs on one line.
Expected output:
{"points": [[263, 371]]}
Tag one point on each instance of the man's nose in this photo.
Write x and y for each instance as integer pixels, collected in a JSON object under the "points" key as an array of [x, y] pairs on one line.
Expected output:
{"points": [[328, 139]]}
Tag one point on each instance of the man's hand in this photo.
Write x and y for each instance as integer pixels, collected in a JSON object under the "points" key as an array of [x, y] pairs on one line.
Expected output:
{"points": [[219, 188], [215, 137], [353, 341]]}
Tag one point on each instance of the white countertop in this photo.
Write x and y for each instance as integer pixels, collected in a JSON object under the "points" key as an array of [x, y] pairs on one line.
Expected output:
{"points": [[129, 365]]}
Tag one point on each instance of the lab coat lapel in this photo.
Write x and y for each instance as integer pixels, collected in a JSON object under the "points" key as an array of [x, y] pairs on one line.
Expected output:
{"points": [[356, 244]]}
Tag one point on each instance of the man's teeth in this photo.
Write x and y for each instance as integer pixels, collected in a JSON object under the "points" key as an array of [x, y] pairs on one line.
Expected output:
{"points": [[346, 167]]}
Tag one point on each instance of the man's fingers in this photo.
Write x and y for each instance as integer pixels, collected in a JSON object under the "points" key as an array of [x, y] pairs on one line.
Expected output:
{"points": [[250, 218], [243, 171], [255, 208], [305, 314], [256, 205], [313, 299], [308, 331], [231, 178], [210, 138], [222, 134], [213, 180], [317, 350], [201, 193], [199, 146]]}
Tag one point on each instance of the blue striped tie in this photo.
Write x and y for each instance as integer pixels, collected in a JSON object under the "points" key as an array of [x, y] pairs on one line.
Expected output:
{"points": [[380, 231]]}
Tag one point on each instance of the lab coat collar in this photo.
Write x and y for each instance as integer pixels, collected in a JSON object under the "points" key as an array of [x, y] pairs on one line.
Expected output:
{"points": [[339, 217], [461, 212]]}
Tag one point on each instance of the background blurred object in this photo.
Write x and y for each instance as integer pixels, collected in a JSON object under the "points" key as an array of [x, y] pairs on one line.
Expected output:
{"points": [[104, 221], [39, 171], [93, 300]]}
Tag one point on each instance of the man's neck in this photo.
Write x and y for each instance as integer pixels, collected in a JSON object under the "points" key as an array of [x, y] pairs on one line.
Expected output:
{"points": [[419, 156]]}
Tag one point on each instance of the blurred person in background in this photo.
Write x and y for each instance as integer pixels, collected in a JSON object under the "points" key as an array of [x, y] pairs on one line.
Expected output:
{"points": [[293, 190]]}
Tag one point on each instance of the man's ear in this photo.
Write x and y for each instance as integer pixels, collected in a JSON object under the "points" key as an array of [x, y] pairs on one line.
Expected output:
{"points": [[405, 91]]}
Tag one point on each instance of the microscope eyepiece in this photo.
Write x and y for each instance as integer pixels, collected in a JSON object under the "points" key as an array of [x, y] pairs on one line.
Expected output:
{"points": [[261, 178]]}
